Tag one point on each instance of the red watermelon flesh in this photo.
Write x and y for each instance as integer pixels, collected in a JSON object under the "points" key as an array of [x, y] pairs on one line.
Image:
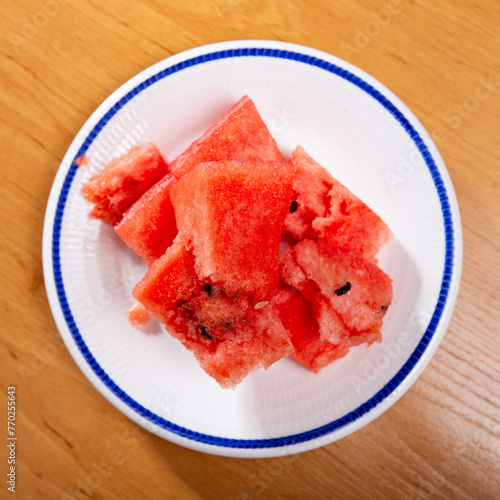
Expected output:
{"points": [[298, 318], [229, 338], [240, 134], [325, 208], [148, 227], [349, 294], [351, 224], [123, 182], [138, 315], [233, 213], [311, 185]]}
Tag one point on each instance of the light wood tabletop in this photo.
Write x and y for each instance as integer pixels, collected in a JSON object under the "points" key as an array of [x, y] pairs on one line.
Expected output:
{"points": [[60, 59]]}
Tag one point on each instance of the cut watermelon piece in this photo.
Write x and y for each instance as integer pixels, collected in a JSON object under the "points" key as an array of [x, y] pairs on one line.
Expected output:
{"points": [[148, 227], [323, 207], [233, 213], [124, 182], [240, 134], [299, 321], [311, 184], [349, 294], [229, 338]]}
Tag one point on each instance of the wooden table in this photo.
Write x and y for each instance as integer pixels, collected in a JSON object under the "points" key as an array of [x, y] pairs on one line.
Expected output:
{"points": [[61, 59]]}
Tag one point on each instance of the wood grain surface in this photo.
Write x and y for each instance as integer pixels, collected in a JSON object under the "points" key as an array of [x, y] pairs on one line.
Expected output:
{"points": [[60, 59]]}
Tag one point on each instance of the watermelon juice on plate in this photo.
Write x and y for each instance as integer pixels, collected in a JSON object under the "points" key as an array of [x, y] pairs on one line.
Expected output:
{"points": [[350, 124]]}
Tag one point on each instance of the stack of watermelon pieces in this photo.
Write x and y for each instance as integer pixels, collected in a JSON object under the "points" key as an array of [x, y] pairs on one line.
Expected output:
{"points": [[209, 226]]}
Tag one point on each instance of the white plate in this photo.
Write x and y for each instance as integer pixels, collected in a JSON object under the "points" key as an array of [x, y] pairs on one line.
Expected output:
{"points": [[367, 138]]}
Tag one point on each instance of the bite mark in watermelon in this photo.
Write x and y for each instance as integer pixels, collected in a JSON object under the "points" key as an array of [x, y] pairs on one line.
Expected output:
{"points": [[233, 213], [348, 293], [229, 338], [123, 182]]}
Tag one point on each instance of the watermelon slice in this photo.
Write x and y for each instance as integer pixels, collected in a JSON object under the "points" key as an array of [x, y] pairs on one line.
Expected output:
{"points": [[233, 213], [323, 207], [123, 182], [229, 338], [240, 134], [349, 294], [299, 321], [148, 227]]}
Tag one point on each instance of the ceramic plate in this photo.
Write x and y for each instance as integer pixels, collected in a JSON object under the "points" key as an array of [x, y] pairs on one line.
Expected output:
{"points": [[367, 138]]}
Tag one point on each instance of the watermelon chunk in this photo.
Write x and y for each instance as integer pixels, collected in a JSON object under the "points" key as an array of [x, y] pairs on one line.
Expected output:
{"points": [[311, 184], [349, 294], [299, 321], [233, 213], [229, 338], [323, 207], [148, 227], [123, 182], [240, 134]]}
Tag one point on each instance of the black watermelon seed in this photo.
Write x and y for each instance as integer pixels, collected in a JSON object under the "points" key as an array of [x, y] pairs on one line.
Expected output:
{"points": [[383, 309], [204, 331], [209, 289], [293, 206], [343, 289]]}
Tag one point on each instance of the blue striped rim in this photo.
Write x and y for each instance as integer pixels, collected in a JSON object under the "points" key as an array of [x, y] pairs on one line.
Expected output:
{"points": [[391, 385]]}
